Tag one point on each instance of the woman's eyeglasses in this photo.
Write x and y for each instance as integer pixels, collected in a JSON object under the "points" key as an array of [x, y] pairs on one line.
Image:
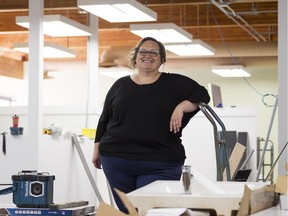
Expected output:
{"points": [[151, 53]]}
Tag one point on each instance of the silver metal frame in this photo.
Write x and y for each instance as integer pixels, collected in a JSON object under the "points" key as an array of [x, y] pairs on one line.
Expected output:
{"points": [[84, 162], [222, 160], [267, 139]]}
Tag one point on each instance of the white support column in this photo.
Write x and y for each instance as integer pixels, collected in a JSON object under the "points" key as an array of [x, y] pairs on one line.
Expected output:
{"points": [[92, 64], [35, 71], [282, 82]]}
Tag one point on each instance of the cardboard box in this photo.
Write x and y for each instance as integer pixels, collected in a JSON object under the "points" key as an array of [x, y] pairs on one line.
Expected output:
{"points": [[105, 209], [282, 185], [282, 189], [257, 200]]}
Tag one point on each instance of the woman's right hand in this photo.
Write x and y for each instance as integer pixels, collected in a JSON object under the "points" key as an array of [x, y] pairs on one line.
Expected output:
{"points": [[96, 156]]}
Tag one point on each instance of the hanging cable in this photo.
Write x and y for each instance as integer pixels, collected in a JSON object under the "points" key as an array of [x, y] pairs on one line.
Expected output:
{"points": [[221, 35], [264, 96]]}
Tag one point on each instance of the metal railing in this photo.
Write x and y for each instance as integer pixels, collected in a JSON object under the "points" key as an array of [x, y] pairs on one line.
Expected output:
{"points": [[222, 160]]}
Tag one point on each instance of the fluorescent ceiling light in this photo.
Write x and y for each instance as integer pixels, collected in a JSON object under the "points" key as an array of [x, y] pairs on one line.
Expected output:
{"points": [[230, 71], [57, 26], [164, 32], [49, 50], [118, 11], [194, 48], [115, 72]]}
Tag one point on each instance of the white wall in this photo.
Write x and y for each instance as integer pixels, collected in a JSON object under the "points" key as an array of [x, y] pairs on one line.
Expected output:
{"points": [[69, 89], [58, 156], [198, 138], [65, 98], [236, 91], [240, 92]]}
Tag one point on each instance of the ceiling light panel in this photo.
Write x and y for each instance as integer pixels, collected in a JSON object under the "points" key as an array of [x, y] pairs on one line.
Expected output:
{"points": [[230, 71], [118, 10], [194, 48], [49, 50], [164, 32], [57, 26]]}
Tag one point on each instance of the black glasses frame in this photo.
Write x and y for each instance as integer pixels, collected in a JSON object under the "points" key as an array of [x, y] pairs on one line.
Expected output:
{"points": [[151, 53]]}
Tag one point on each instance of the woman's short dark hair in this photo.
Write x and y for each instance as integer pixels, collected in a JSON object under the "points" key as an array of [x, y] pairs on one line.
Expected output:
{"points": [[162, 51]]}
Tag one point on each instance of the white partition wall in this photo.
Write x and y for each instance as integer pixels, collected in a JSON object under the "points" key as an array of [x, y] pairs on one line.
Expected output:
{"points": [[198, 138], [59, 157]]}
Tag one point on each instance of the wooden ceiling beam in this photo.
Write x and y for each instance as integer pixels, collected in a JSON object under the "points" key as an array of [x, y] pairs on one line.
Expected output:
{"points": [[11, 68], [194, 16]]}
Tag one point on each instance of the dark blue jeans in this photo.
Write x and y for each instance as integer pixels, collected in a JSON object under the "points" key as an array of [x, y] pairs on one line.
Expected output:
{"points": [[128, 175]]}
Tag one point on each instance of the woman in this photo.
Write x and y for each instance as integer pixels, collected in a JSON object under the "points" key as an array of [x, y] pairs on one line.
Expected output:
{"points": [[138, 138]]}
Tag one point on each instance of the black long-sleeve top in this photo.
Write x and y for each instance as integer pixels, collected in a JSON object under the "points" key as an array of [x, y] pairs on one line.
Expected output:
{"points": [[134, 123]]}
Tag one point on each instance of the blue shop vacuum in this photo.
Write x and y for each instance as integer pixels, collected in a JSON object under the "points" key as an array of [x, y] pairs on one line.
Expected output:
{"points": [[31, 189]]}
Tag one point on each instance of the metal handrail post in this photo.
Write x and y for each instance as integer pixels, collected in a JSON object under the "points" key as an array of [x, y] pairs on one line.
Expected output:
{"points": [[222, 160], [88, 172], [217, 144], [267, 139]]}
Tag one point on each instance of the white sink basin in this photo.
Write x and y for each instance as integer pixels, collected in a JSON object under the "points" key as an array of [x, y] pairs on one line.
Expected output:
{"points": [[176, 187], [220, 196]]}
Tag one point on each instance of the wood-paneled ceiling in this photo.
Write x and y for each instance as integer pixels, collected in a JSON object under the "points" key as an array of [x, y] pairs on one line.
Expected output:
{"points": [[247, 25]]}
